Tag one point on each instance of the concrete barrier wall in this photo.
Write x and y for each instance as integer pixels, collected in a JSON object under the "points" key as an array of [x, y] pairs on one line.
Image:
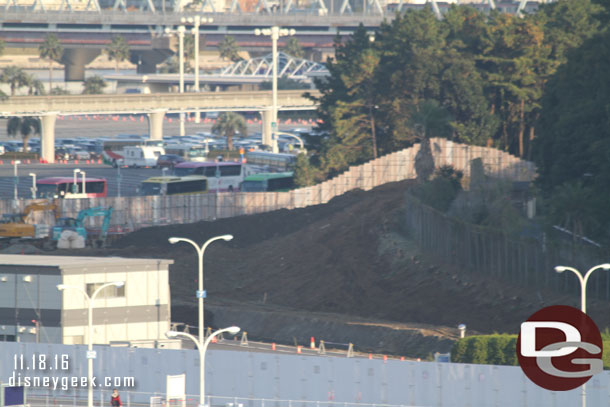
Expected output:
{"points": [[137, 212], [321, 380]]}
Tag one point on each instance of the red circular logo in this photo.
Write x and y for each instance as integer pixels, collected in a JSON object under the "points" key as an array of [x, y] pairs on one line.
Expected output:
{"points": [[560, 348]]}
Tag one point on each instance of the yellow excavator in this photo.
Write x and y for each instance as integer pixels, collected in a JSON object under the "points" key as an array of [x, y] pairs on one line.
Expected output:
{"points": [[14, 225]]}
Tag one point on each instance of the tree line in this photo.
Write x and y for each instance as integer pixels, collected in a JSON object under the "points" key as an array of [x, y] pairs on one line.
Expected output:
{"points": [[473, 77]]}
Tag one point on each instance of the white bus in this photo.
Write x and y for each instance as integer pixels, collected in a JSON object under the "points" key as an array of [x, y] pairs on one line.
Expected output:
{"points": [[190, 152], [222, 176]]}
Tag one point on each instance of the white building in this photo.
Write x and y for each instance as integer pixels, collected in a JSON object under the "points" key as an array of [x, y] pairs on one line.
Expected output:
{"points": [[29, 298]]}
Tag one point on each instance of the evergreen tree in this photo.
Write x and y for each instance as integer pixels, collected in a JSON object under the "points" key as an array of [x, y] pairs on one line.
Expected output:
{"points": [[293, 48]]}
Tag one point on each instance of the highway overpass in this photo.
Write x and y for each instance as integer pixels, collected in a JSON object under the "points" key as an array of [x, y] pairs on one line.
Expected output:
{"points": [[47, 108]]}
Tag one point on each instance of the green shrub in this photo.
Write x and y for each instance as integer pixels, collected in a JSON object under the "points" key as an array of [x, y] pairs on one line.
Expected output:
{"points": [[497, 349]]}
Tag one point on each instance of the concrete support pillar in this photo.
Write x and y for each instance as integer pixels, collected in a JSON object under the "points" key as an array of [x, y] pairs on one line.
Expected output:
{"points": [[267, 117], [155, 124], [74, 61], [47, 148]]}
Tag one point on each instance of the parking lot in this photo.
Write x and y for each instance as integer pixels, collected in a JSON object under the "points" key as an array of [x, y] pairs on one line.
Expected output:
{"points": [[130, 178]]}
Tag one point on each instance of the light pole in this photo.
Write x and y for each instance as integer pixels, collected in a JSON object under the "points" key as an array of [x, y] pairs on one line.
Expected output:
{"points": [[200, 292], [275, 32], [90, 354], [180, 32], [233, 330], [118, 180], [583, 281], [15, 180], [34, 189], [583, 303], [74, 185], [84, 190], [197, 21], [300, 140]]}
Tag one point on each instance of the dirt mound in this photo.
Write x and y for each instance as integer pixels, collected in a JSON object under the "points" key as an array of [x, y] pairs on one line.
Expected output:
{"points": [[349, 257]]}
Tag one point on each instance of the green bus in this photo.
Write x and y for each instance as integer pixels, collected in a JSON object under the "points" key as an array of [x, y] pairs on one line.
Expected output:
{"points": [[169, 185], [268, 182]]}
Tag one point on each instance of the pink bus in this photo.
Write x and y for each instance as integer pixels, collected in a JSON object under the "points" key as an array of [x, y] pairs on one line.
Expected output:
{"points": [[64, 187]]}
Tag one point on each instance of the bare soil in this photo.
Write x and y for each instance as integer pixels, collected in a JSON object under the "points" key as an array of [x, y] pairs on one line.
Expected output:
{"points": [[329, 267]]}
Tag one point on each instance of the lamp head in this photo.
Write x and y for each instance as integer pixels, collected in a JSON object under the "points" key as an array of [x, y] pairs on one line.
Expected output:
{"points": [[462, 327], [61, 287], [173, 240], [606, 266], [17, 162], [119, 283], [171, 334], [76, 170], [233, 330], [227, 237], [208, 20], [560, 269], [257, 31], [292, 31], [167, 30], [31, 174]]}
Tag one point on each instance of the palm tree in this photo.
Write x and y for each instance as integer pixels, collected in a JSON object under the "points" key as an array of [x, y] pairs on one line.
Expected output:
{"points": [[428, 119], [117, 50], [25, 126], [52, 50], [227, 124], [228, 49], [15, 77], [293, 48], [94, 85]]}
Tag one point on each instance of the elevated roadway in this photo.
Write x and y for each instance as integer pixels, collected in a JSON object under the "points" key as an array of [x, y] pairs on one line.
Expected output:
{"points": [[47, 108]]}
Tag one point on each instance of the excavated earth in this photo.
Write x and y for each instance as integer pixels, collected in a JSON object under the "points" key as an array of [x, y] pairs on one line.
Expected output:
{"points": [[344, 272]]}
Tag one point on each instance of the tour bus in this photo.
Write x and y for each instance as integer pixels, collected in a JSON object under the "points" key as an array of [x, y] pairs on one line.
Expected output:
{"points": [[64, 187], [268, 182], [272, 161], [171, 185], [222, 175], [190, 152]]}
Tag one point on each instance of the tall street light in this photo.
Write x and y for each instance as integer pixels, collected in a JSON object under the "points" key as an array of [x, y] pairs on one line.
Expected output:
{"points": [[15, 180], [583, 303], [275, 32], [583, 281], [34, 189], [197, 21], [74, 185], [233, 330], [180, 31], [201, 294], [90, 354], [84, 189]]}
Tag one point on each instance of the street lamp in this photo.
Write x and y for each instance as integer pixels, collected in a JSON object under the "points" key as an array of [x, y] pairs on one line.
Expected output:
{"points": [[275, 32], [15, 180], [180, 32], [200, 292], [90, 354], [300, 140], [84, 190], [33, 189], [233, 330], [583, 303], [583, 281], [74, 186], [197, 21]]}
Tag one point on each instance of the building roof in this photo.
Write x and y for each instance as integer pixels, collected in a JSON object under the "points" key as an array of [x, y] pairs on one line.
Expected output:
{"points": [[82, 264]]}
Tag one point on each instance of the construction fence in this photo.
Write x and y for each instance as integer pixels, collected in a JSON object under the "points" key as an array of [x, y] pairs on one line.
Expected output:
{"points": [[526, 261], [131, 213]]}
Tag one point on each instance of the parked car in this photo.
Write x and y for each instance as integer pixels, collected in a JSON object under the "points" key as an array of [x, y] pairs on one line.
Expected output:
{"points": [[79, 154], [169, 160]]}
